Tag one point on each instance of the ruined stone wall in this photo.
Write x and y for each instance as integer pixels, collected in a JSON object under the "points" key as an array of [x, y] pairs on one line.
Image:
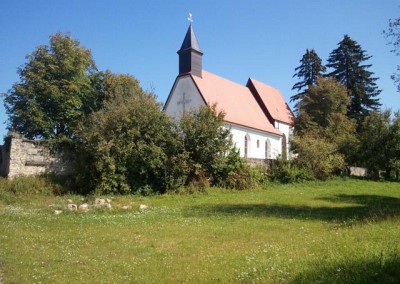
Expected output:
{"points": [[4, 159], [27, 157]]}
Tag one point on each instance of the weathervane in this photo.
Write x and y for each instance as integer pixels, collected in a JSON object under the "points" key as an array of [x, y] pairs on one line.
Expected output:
{"points": [[190, 18]]}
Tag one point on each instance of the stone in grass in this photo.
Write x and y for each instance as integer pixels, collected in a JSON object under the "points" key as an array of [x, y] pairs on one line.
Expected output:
{"points": [[143, 207], [100, 202], [72, 207], [126, 207], [84, 207], [57, 212]]}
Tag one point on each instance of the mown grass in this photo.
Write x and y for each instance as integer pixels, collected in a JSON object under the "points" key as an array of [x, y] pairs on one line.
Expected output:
{"points": [[340, 231]]}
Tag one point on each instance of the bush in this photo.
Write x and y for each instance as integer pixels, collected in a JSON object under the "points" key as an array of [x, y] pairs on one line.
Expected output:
{"points": [[285, 171], [34, 185], [208, 144], [130, 146], [317, 155]]}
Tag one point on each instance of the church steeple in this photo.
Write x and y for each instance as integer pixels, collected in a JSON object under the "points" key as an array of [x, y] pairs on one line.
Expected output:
{"points": [[190, 54]]}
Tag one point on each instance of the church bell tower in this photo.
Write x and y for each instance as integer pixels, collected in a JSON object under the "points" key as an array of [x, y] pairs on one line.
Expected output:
{"points": [[190, 55]]}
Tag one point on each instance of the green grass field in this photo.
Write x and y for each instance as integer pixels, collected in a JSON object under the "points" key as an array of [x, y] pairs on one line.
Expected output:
{"points": [[340, 231]]}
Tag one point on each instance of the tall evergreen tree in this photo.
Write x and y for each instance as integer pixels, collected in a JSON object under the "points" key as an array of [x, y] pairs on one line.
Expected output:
{"points": [[309, 70], [348, 67]]}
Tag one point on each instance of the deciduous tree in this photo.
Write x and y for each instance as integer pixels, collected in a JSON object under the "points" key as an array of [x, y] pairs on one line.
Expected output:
{"points": [[55, 85], [322, 118], [208, 143], [380, 146], [130, 145]]}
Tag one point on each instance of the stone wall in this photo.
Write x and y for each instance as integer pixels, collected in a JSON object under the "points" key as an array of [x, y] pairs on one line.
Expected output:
{"points": [[4, 158], [358, 172], [265, 163], [23, 157]]}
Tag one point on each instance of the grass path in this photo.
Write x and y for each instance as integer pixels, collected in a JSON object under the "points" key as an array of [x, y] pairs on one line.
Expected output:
{"points": [[334, 232]]}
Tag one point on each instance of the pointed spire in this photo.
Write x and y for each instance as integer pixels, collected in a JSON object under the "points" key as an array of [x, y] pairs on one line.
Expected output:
{"points": [[190, 41], [190, 54]]}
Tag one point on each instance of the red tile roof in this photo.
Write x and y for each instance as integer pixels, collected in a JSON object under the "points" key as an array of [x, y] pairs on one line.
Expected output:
{"points": [[274, 102], [236, 100]]}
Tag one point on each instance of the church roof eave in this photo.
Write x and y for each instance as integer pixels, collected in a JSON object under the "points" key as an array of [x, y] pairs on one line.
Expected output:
{"points": [[278, 133]]}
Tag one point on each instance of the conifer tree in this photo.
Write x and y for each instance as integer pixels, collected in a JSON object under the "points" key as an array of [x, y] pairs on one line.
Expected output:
{"points": [[309, 70], [348, 67]]}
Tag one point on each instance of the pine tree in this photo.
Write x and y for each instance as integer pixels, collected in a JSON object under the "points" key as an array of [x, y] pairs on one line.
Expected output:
{"points": [[349, 68], [309, 70]]}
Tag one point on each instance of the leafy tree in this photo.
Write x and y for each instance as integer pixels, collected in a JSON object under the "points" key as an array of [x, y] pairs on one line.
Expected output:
{"points": [[130, 145], [325, 104], [208, 144], [374, 142], [54, 89], [317, 154], [349, 68], [322, 117], [394, 146], [120, 85], [392, 34], [309, 70], [380, 147]]}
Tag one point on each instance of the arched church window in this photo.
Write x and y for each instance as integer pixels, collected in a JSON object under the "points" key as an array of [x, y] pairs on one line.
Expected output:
{"points": [[267, 149], [246, 145], [284, 147]]}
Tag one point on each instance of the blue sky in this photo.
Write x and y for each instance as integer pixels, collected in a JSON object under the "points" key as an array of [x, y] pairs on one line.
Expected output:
{"points": [[240, 38]]}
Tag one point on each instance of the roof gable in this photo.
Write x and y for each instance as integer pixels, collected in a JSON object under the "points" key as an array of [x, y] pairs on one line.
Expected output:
{"points": [[272, 101], [236, 100]]}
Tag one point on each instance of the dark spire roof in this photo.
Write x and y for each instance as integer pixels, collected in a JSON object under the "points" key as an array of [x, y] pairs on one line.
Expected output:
{"points": [[190, 41]]}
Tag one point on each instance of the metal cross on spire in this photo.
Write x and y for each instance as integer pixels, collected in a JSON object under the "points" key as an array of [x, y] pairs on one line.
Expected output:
{"points": [[190, 18]]}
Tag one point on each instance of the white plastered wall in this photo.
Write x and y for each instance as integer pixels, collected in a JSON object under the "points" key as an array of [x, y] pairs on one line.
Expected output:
{"points": [[286, 129], [256, 142]]}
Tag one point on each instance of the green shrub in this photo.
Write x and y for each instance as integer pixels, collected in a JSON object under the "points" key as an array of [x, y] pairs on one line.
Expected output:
{"points": [[317, 155], [130, 146], [34, 185], [246, 177], [285, 171]]}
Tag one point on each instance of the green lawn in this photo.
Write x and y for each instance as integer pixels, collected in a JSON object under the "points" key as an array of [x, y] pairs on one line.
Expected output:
{"points": [[340, 231]]}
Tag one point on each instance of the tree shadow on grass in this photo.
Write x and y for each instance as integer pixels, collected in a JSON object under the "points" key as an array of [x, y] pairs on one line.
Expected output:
{"points": [[354, 208], [379, 269]]}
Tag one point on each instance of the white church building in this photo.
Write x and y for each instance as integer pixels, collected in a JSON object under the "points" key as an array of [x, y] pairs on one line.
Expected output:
{"points": [[260, 120]]}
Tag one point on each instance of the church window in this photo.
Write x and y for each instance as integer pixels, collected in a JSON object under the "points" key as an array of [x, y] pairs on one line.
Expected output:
{"points": [[284, 147], [258, 143], [246, 145], [267, 149]]}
